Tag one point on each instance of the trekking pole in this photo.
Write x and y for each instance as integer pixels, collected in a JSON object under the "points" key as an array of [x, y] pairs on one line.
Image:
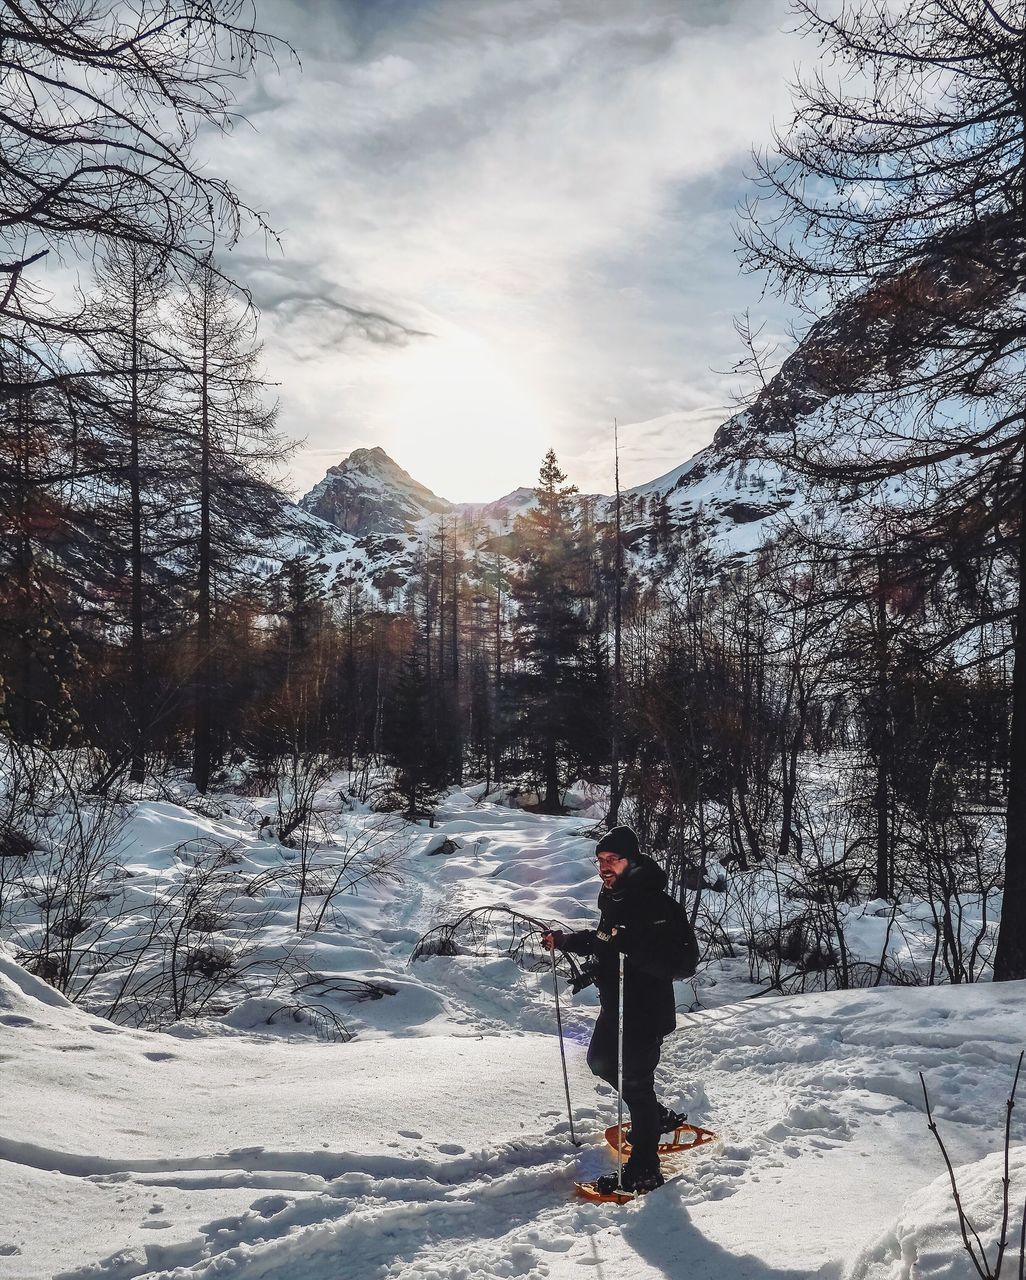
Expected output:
{"points": [[562, 1050], [619, 1082]]}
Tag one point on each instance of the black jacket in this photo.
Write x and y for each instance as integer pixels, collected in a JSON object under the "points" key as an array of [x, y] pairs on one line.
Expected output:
{"points": [[647, 923]]}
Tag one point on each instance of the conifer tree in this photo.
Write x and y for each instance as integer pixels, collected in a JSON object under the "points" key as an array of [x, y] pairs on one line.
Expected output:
{"points": [[233, 448], [411, 742], [100, 105], [142, 465], [45, 544], [551, 624]]}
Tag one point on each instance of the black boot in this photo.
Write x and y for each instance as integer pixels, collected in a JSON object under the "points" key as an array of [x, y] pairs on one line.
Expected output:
{"points": [[634, 1181], [670, 1120]]}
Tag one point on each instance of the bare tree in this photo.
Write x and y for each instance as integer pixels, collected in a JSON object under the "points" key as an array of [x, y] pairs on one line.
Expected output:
{"points": [[234, 447], [900, 191], [100, 104], [136, 462]]}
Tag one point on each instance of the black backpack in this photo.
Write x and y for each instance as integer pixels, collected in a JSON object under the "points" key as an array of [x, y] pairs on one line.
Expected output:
{"points": [[685, 960]]}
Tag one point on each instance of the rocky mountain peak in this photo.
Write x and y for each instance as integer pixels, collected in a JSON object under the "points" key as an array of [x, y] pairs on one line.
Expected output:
{"points": [[369, 492]]}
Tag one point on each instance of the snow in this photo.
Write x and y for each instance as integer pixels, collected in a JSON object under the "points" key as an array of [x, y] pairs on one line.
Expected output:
{"points": [[721, 497], [435, 1144], [924, 1241]]}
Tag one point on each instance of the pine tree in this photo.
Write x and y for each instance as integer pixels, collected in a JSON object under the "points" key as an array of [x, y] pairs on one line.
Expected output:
{"points": [[551, 624], [410, 740]]}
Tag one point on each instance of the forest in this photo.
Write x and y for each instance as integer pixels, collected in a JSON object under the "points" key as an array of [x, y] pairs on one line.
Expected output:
{"points": [[840, 714]]}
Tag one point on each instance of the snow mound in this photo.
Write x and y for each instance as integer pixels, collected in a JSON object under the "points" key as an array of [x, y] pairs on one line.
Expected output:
{"points": [[19, 989], [925, 1242]]}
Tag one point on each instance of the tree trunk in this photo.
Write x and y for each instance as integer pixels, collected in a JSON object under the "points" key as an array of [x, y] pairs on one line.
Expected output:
{"points": [[351, 682], [550, 747], [454, 630], [498, 668], [881, 799], [1010, 957], [550, 801], [789, 792], [613, 817], [137, 768], [202, 683], [441, 605], [22, 721]]}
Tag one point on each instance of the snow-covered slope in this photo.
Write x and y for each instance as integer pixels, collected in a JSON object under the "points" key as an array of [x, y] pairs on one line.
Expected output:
{"points": [[436, 1145], [724, 508]]}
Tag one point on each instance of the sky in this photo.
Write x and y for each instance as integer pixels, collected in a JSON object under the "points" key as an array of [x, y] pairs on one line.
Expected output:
{"points": [[506, 223]]}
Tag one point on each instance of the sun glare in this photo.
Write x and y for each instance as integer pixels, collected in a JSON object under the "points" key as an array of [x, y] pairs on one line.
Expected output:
{"points": [[465, 423]]}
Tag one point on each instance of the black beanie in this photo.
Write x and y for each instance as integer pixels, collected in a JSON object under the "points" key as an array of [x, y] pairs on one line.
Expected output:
{"points": [[622, 841]]}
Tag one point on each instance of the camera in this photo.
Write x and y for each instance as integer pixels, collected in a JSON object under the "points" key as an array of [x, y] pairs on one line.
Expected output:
{"points": [[586, 976]]}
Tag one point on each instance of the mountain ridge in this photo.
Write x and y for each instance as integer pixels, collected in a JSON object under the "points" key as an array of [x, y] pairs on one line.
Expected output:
{"points": [[369, 520]]}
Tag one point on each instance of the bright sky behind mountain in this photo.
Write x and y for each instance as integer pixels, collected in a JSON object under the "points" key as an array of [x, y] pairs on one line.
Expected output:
{"points": [[505, 223]]}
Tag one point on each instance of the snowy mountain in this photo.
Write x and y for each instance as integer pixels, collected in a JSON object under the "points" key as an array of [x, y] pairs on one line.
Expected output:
{"points": [[369, 493], [728, 506], [726, 501], [369, 518]]}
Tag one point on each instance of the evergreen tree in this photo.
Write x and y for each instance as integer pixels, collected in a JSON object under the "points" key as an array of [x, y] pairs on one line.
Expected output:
{"points": [[410, 740], [551, 624]]}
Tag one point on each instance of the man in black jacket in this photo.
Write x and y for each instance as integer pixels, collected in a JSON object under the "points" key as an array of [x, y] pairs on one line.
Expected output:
{"points": [[639, 919]]}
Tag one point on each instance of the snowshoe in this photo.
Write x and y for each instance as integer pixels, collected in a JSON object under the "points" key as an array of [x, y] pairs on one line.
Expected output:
{"points": [[590, 1191], [639, 1182], [631, 1185], [685, 1137]]}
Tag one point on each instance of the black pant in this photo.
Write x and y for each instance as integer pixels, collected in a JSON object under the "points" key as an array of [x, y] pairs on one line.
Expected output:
{"points": [[640, 1059]]}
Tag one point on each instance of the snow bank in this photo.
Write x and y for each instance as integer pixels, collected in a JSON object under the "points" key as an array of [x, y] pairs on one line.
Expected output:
{"points": [[925, 1243]]}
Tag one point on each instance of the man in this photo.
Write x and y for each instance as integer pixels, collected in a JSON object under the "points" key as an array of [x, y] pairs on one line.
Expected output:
{"points": [[639, 919]]}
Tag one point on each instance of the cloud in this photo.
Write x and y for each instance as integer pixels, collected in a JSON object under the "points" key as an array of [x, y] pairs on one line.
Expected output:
{"points": [[545, 187], [314, 322]]}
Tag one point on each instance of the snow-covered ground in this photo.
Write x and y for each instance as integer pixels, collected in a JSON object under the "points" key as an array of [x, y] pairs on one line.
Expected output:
{"points": [[435, 1144]]}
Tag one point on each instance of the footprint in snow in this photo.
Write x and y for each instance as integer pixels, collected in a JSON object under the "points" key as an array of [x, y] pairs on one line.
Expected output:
{"points": [[268, 1206]]}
